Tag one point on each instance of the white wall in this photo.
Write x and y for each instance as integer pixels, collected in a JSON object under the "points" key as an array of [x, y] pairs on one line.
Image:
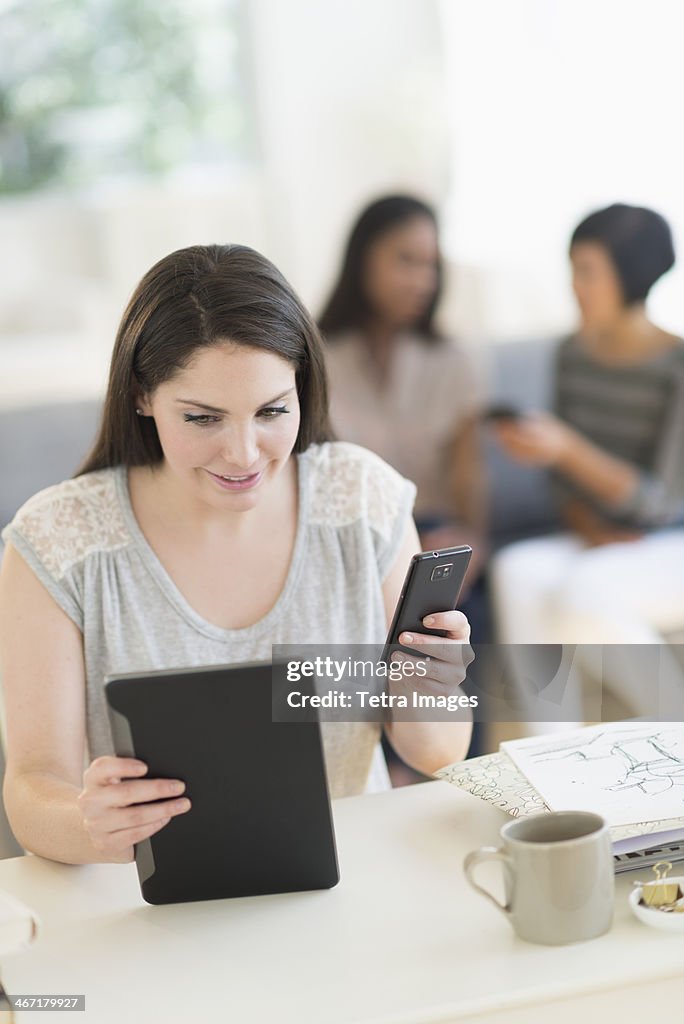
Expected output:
{"points": [[557, 107], [72, 260], [351, 104]]}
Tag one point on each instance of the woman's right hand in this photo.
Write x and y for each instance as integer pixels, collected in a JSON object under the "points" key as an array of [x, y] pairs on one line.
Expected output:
{"points": [[536, 439], [119, 808]]}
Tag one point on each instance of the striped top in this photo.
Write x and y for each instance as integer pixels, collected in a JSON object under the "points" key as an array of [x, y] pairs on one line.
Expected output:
{"points": [[636, 413]]}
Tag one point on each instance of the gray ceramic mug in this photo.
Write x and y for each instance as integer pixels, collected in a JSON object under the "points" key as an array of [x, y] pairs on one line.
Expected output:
{"points": [[558, 876]]}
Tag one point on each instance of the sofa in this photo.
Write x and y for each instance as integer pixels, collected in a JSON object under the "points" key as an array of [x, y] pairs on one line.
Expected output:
{"points": [[520, 501]]}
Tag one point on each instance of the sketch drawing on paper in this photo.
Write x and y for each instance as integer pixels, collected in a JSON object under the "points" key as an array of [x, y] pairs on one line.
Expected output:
{"points": [[628, 771], [652, 762]]}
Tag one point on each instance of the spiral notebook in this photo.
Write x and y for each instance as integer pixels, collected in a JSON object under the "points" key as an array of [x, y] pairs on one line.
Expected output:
{"points": [[497, 779]]}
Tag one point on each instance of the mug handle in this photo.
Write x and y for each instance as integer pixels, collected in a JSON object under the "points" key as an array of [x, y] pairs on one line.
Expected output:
{"points": [[471, 861]]}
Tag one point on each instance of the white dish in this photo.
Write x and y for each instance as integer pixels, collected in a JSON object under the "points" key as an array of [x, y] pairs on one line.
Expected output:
{"points": [[657, 918]]}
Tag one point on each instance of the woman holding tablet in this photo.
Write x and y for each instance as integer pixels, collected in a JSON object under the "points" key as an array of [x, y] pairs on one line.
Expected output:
{"points": [[213, 518]]}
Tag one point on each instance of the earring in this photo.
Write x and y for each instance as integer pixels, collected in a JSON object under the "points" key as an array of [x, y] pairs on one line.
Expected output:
{"points": [[139, 412]]}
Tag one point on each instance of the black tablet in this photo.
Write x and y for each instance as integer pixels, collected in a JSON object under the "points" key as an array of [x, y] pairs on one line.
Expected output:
{"points": [[260, 820]]}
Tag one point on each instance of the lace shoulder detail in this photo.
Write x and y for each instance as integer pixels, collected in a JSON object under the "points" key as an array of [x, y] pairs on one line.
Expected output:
{"points": [[349, 483], [68, 521]]}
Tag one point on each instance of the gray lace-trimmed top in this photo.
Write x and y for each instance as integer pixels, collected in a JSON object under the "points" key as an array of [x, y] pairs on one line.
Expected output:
{"points": [[83, 542]]}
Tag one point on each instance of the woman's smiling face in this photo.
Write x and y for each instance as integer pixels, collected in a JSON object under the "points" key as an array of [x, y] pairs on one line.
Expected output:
{"points": [[227, 423]]}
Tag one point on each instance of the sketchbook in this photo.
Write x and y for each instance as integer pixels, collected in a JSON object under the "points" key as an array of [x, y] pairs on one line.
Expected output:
{"points": [[644, 766], [628, 772]]}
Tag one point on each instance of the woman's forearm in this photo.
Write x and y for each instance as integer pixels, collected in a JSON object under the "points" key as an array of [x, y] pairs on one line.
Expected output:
{"points": [[428, 746], [593, 528], [467, 482], [45, 818], [609, 479]]}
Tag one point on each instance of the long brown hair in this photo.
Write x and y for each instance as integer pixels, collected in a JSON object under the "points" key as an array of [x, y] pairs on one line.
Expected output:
{"points": [[348, 306], [195, 298]]}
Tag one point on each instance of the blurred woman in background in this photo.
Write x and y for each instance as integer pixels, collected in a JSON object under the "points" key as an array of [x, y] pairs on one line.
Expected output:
{"points": [[397, 385], [615, 446]]}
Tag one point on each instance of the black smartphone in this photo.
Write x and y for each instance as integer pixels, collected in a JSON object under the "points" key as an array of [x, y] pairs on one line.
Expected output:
{"points": [[502, 411], [433, 583]]}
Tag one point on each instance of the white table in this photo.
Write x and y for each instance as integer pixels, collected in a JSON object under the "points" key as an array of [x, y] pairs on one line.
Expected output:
{"points": [[401, 939]]}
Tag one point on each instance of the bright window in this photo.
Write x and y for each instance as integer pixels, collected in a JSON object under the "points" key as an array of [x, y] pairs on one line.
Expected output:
{"points": [[99, 89]]}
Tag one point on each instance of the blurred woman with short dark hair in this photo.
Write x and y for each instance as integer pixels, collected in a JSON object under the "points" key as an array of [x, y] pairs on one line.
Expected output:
{"points": [[615, 446]]}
